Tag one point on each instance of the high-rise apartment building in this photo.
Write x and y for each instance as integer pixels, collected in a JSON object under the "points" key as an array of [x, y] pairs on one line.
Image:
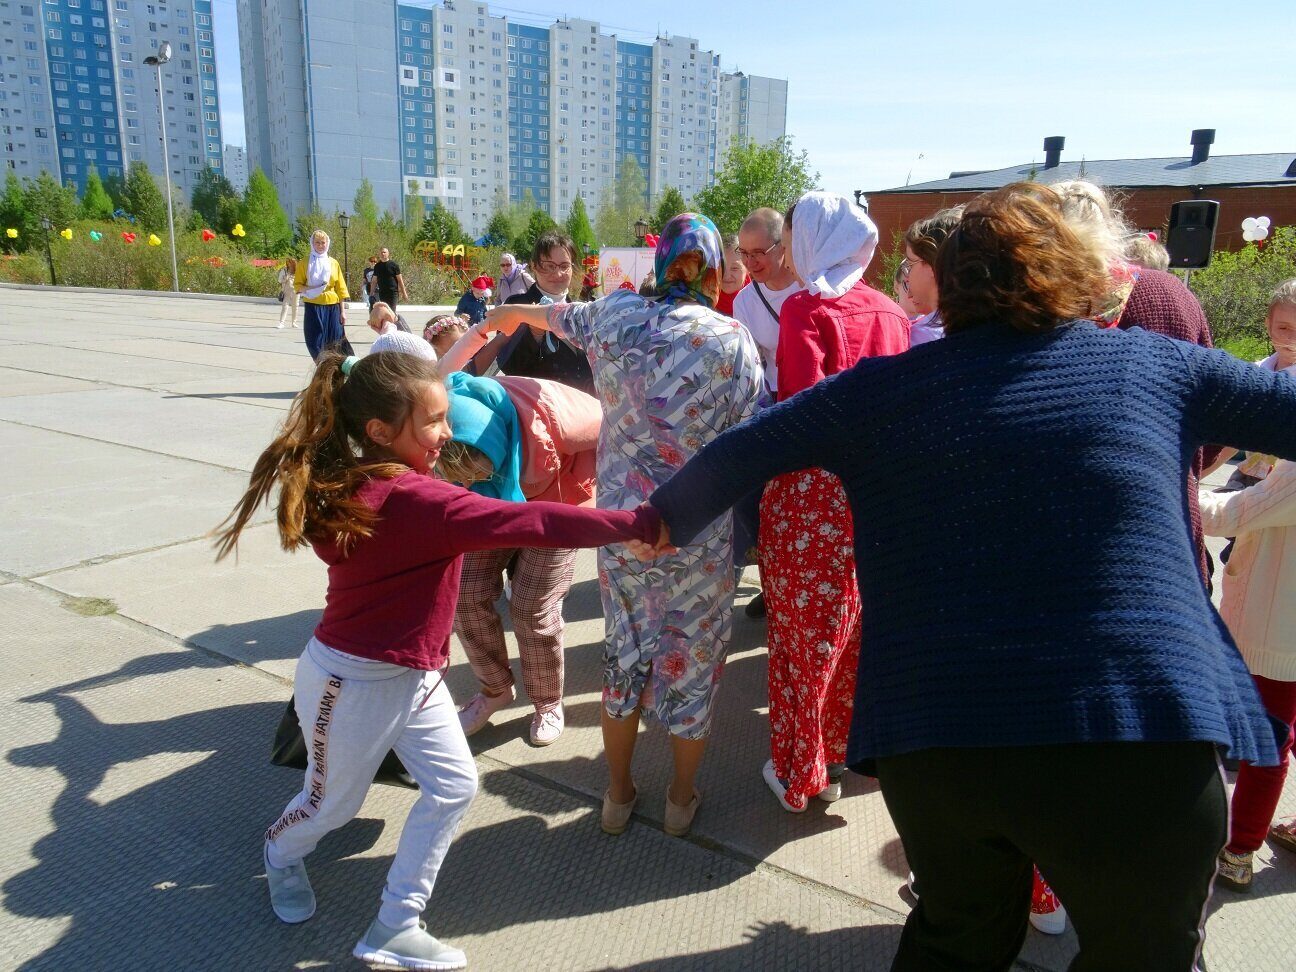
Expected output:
{"points": [[451, 103], [236, 170], [76, 93], [752, 109]]}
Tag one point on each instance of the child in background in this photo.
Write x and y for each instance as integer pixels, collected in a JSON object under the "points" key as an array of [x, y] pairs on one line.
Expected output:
{"points": [[900, 290], [443, 331], [288, 294], [353, 465], [472, 304]]}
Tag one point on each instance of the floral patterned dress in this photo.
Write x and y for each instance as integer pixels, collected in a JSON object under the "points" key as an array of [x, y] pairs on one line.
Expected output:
{"points": [[671, 378]]}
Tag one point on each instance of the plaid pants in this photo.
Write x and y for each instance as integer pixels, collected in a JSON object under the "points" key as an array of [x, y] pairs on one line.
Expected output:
{"points": [[542, 579]]}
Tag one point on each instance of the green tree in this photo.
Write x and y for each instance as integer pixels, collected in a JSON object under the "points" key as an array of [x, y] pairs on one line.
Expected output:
{"points": [[43, 196], [540, 222], [14, 214], [579, 229], [366, 209], [670, 205], [611, 226], [1234, 290], [441, 226], [263, 219], [209, 190], [499, 231], [95, 201], [631, 193], [142, 198], [115, 185], [754, 176], [415, 206]]}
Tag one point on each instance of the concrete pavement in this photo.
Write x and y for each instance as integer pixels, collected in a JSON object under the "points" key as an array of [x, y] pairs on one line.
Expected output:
{"points": [[146, 682]]}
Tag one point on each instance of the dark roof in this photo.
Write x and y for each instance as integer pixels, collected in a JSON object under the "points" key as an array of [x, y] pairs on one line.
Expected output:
{"points": [[1270, 169]]}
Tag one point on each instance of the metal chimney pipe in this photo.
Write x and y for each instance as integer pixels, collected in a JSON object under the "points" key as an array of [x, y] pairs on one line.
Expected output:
{"points": [[1202, 139], [1053, 151]]}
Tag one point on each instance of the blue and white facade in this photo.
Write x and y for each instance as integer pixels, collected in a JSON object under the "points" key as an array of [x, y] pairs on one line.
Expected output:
{"points": [[752, 109], [447, 102], [529, 108], [84, 98]]}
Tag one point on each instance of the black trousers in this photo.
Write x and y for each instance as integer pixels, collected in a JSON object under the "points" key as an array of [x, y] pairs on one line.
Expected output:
{"points": [[1125, 833]]}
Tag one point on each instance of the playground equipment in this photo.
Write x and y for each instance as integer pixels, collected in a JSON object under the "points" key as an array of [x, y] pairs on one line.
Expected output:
{"points": [[460, 261]]}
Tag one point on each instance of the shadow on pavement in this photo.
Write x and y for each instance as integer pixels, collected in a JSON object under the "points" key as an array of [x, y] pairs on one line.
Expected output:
{"points": [[778, 945]]}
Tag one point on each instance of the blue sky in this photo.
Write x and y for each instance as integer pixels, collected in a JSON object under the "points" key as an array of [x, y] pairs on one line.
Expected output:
{"points": [[878, 93]]}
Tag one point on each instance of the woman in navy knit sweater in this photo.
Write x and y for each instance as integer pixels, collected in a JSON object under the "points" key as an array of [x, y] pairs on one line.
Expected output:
{"points": [[1042, 674]]}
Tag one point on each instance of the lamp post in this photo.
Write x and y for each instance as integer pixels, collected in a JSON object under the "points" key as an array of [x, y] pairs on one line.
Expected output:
{"points": [[156, 61], [344, 221], [46, 225], [640, 230]]}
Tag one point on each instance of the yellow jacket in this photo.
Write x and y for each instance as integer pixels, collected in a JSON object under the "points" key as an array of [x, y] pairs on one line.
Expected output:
{"points": [[336, 290]]}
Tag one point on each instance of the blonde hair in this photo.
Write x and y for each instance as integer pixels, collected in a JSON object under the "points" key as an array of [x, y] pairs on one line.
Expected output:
{"points": [[1142, 250], [1284, 295], [319, 234], [461, 463], [1094, 217]]}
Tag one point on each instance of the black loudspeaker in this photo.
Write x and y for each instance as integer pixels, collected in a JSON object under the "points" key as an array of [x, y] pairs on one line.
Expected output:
{"points": [[1191, 236]]}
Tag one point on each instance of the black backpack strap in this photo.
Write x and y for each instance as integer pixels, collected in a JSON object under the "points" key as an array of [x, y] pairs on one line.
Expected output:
{"points": [[761, 294]]}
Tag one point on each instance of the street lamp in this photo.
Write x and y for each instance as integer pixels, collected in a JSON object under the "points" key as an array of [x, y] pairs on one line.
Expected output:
{"points": [[157, 60], [344, 221], [640, 230], [46, 225]]}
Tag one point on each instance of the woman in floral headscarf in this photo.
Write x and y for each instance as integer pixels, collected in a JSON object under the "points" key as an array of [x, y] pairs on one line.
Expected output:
{"points": [[672, 374], [806, 542]]}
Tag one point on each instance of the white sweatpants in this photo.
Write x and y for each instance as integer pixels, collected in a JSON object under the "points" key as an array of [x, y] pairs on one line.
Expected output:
{"points": [[288, 309], [353, 710]]}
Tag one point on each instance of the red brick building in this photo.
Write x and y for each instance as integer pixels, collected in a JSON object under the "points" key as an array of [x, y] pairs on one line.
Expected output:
{"points": [[1244, 185]]}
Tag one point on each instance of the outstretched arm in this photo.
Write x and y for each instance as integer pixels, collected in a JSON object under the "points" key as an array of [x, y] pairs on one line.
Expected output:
{"points": [[507, 318]]}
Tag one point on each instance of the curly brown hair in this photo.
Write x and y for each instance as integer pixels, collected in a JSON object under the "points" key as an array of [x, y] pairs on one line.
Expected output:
{"points": [[1013, 260], [314, 459]]}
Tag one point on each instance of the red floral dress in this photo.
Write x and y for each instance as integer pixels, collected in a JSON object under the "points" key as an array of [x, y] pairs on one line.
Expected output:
{"points": [[807, 562]]}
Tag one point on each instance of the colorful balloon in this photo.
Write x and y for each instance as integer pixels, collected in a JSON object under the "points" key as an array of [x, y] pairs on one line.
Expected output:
{"points": [[208, 236], [153, 240], [11, 233], [96, 235], [66, 233], [128, 237], [238, 230]]}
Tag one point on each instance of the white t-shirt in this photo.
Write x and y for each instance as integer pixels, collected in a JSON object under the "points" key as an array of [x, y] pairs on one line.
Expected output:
{"points": [[752, 313]]}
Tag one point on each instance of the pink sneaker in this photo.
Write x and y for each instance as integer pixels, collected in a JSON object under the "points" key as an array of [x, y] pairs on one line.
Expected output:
{"points": [[474, 716], [546, 726], [1046, 914]]}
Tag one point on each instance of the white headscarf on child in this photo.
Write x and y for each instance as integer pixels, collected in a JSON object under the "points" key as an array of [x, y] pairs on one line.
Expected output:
{"points": [[318, 268], [832, 242]]}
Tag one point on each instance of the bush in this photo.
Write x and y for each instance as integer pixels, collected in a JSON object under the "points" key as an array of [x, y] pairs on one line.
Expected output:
{"points": [[1235, 289]]}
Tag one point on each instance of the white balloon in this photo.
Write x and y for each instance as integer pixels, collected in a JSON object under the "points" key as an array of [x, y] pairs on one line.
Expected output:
{"points": [[1261, 232], [1263, 222], [1249, 235], [1248, 224]]}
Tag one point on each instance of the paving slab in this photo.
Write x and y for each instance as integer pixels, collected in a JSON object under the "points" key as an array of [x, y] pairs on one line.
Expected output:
{"points": [[14, 384], [163, 749], [291, 361], [73, 499], [103, 366], [215, 431]]}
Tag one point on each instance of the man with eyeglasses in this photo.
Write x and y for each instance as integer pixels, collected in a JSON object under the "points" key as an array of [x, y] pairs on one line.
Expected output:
{"points": [[539, 354], [757, 306]]}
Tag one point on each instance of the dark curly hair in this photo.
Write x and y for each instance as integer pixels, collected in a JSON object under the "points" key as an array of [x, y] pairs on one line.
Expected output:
{"points": [[1013, 260]]}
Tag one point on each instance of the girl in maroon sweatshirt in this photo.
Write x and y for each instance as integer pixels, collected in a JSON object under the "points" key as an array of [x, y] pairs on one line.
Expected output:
{"points": [[353, 468]]}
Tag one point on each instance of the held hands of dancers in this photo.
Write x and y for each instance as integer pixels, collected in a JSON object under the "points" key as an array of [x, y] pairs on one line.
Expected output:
{"points": [[648, 551], [507, 318]]}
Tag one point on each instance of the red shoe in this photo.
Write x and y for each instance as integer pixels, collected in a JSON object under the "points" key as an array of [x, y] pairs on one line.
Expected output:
{"points": [[1046, 914]]}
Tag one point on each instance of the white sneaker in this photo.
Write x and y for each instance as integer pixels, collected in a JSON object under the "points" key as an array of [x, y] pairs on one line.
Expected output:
{"points": [[409, 948], [279, 326], [547, 726], [912, 884], [778, 786], [475, 716], [291, 896]]}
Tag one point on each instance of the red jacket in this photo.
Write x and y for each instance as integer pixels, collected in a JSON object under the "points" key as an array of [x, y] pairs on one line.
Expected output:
{"points": [[821, 336]]}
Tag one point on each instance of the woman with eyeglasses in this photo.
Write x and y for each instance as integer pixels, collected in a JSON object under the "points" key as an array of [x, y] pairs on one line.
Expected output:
{"points": [[672, 375], [1042, 673], [805, 538], [917, 278], [530, 352], [518, 439]]}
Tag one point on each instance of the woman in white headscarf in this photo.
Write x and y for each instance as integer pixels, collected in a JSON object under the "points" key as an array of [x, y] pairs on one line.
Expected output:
{"points": [[324, 292], [806, 532]]}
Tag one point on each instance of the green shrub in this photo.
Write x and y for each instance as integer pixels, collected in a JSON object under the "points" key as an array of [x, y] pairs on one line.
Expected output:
{"points": [[1235, 289]]}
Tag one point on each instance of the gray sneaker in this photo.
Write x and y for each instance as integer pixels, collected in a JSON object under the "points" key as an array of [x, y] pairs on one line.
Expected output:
{"points": [[407, 948], [291, 896]]}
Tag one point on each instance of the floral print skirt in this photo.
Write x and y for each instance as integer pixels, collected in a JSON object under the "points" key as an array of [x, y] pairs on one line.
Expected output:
{"points": [[807, 561]]}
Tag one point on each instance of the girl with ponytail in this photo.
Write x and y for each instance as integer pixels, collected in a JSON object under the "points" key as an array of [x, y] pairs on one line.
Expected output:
{"points": [[352, 466]]}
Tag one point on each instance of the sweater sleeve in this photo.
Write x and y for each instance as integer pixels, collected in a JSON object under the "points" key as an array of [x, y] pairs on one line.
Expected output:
{"points": [[815, 428], [1269, 503], [467, 522], [1235, 402]]}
